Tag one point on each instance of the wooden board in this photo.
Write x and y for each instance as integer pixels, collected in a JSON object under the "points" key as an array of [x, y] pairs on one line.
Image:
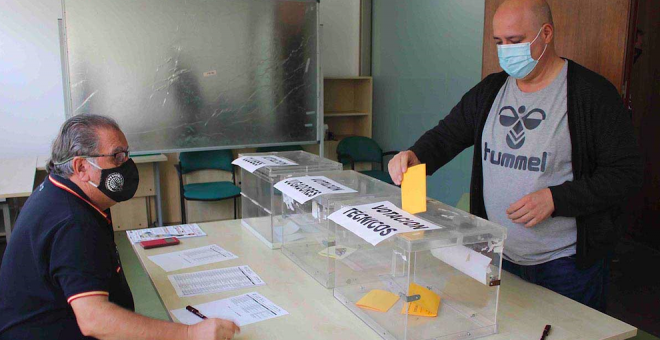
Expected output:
{"points": [[593, 33], [524, 308], [131, 214], [17, 176]]}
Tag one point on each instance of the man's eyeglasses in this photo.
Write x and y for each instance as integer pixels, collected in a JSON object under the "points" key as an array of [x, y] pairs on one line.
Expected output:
{"points": [[119, 157]]}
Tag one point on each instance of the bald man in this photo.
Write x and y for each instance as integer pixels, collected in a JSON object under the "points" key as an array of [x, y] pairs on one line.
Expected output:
{"points": [[554, 160]]}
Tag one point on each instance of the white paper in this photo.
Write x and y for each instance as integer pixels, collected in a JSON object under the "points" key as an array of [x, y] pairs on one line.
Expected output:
{"points": [[303, 189], [468, 261], [242, 310], [375, 222], [214, 281], [178, 231], [254, 163], [192, 257]]}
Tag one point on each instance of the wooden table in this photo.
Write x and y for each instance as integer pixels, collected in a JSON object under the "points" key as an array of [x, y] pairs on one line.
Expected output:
{"points": [[524, 308], [16, 180]]}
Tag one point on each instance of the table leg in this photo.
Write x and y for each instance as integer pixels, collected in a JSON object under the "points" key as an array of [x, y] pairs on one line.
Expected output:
{"points": [[7, 218], [159, 207]]}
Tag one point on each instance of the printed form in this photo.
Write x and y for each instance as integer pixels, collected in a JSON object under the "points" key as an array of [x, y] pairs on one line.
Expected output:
{"points": [[192, 257], [214, 281], [242, 310]]}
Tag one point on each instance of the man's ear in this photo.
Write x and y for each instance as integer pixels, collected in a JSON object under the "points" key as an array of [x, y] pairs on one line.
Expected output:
{"points": [[548, 33], [81, 169]]}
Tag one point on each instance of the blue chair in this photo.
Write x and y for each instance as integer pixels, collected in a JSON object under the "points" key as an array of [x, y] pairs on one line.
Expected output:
{"points": [[190, 162], [363, 149]]}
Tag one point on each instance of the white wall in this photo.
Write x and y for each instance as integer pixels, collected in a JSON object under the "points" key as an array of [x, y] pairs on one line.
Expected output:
{"points": [[340, 39], [31, 99]]}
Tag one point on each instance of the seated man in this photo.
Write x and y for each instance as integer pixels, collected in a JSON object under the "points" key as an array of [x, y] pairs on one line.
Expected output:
{"points": [[61, 277]]}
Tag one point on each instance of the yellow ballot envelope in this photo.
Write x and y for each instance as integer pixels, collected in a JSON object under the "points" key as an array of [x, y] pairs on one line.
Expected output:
{"points": [[413, 189], [427, 305], [378, 300]]}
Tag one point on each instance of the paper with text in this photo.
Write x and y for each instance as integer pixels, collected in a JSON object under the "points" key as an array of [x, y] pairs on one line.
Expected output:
{"points": [[303, 189], [375, 222], [254, 163], [178, 231], [242, 310], [214, 281], [192, 257]]}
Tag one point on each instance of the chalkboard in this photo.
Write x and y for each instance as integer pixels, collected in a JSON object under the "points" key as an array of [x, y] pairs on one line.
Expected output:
{"points": [[196, 74]]}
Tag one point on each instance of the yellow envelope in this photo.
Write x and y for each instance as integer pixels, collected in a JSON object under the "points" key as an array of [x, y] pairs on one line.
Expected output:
{"points": [[413, 189], [378, 300], [427, 305]]}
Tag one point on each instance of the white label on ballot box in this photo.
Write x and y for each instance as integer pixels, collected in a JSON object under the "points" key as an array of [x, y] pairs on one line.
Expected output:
{"points": [[376, 222], [254, 163], [303, 189]]}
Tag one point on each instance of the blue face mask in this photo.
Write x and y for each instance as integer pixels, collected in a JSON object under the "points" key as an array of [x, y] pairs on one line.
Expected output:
{"points": [[516, 59]]}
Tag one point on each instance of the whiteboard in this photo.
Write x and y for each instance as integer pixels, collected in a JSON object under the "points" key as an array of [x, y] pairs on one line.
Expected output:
{"points": [[196, 74]]}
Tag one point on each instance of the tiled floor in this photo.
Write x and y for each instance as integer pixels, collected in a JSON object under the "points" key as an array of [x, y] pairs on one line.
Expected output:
{"points": [[634, 293]]}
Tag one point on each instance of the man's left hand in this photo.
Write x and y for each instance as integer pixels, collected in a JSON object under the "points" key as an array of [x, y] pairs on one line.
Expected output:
{"points": [[532, 209]]}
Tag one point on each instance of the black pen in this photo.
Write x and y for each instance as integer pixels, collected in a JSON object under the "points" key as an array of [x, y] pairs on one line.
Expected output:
{"points": [[195, 311], [546, 330]]}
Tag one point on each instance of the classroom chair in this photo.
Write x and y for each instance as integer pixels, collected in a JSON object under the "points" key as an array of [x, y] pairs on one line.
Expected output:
{"points": [[363, 149], [190, 162]]}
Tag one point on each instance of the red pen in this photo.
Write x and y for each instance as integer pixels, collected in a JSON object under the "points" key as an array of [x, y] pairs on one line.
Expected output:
{"points": [[195, 311], [546, 330]]}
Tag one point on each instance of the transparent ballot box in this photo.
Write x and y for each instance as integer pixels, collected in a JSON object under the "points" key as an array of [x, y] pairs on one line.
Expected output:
{"points": [[312, 244], [433, 284], [261, 203]]}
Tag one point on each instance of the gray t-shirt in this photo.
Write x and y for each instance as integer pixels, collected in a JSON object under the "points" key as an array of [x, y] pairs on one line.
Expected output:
{"points": [[526, 148]]}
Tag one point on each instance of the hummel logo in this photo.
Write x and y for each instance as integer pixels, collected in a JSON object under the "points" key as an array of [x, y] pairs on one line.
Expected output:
{"points": [[521, 122]]}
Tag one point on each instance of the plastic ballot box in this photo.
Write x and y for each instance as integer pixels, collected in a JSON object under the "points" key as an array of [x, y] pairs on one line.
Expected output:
{"points": [[261, 203], [433, 275], [311, 243]]}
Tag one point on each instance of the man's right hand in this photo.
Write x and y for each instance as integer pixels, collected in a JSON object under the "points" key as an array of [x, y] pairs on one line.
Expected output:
{"points": [[400, 164], [213, 329]]}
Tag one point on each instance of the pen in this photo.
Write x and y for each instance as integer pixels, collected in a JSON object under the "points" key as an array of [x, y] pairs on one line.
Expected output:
{"points": [[546, 330], [195, 311]]}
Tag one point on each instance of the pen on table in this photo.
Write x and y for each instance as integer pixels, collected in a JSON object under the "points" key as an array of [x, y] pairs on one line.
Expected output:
{"points": [[546, 330], [195, 311]]}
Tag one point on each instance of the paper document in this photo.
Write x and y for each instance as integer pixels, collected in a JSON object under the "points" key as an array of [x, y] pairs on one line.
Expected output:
{"points": [[468, 261], [214, 281], [192, 257], [378, 300], [178, 231], [413, 189], [427, 305], [254, 163], [376, 222], [242, 310], [303, 189]]}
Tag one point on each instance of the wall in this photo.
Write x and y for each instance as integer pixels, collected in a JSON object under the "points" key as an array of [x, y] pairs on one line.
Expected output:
{"points": [[31, 100], [340, 38], [426, 55]]}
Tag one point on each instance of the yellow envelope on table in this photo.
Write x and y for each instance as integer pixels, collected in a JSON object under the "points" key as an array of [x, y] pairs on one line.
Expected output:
{"points": [[413, 189], [378, 300], [427, 305]]}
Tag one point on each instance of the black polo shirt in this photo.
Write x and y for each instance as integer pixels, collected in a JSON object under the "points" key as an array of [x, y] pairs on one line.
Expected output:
{"points": [[62, 248]]}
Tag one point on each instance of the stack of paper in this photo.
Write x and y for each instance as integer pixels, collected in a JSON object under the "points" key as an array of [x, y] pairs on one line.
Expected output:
{"points": [[427, 305], [243, 310], [378, 300]]}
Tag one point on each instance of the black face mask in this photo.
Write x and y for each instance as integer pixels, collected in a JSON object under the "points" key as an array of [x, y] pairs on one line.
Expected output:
{"points": [[120, 183]]}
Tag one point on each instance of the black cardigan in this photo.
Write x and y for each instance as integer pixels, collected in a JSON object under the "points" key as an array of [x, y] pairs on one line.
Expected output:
{"points": [[607, 166]]}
